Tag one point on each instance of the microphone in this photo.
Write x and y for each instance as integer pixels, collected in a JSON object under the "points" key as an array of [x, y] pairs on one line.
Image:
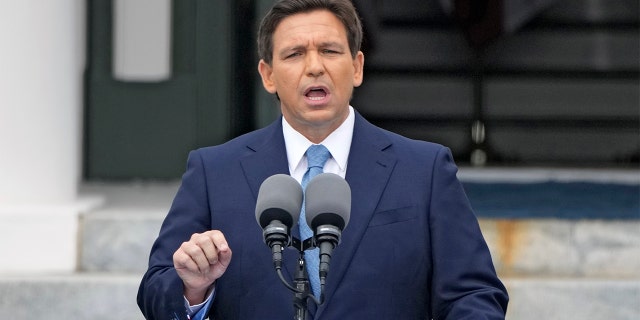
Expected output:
{"points": [[327, 211], [277, 210]]}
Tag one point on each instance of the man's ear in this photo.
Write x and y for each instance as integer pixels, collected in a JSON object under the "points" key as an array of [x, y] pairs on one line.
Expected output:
{"points": [[266, 73], [358, 66]]}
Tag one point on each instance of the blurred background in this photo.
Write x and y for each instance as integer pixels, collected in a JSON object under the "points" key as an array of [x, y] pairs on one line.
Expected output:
{"points": [[101, 101]]}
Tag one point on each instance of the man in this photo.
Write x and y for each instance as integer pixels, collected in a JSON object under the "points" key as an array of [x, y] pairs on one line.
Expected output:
{"points": [[412, 249]]}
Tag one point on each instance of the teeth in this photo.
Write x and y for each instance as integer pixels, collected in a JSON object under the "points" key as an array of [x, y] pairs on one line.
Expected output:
{"points": [[316, 94]]}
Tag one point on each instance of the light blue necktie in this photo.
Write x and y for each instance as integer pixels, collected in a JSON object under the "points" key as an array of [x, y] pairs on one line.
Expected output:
{"points": [[317, 156]]}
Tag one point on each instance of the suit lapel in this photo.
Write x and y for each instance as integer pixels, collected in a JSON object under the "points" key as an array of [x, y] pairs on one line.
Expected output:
{"points": [[368, 171], [269, 157]]}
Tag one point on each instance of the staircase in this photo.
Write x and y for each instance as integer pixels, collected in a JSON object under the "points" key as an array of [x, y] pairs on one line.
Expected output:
{"points": [[115, 243], [553, 268]]}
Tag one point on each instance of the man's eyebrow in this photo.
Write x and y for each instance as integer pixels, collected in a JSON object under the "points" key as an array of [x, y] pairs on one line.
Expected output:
{"points": [[302, 47], [333, 44], [293, 48]]}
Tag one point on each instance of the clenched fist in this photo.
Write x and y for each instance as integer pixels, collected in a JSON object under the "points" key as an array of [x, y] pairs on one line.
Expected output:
{"points": [[200, 262]]}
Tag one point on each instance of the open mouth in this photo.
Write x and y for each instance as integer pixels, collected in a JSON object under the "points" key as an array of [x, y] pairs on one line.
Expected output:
{"points": [[316, 93]]}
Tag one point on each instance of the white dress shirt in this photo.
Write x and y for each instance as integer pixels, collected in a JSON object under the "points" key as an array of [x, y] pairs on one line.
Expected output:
{"points": [[338, 143]]}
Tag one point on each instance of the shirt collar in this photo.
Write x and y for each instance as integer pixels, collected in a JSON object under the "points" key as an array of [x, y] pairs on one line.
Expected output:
{"points": [[338, 142]]}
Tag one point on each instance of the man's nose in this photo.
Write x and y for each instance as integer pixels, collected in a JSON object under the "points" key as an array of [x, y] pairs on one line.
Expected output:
{"points": [[315, 67]]}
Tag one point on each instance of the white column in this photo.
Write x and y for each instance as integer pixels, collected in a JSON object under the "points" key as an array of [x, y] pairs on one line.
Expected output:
{"points": [[41, 65]]}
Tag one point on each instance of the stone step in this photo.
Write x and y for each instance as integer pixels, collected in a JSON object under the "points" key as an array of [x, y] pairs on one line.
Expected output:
{"points": [[118, 236], [99, 296], [118, 239], [573, 299], [74, 296], [564, 248]]}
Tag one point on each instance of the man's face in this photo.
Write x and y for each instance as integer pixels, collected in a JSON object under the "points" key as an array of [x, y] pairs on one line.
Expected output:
{"points": [[312, 72]]}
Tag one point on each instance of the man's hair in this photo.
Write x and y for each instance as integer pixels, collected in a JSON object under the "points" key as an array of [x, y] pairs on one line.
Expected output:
{"points": [[342, 9]]}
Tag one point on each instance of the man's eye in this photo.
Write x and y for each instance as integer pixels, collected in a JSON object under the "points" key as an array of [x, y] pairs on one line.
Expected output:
{"points": [[293, 55]]}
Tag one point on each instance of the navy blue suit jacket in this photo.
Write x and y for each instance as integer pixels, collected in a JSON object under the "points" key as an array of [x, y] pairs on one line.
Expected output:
{"points": [[412, 249]]}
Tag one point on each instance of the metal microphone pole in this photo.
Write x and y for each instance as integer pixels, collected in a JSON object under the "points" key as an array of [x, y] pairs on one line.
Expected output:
{"points": [[301, 283]]}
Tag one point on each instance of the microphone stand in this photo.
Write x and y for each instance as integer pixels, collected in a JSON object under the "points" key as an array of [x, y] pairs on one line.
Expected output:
{"points": [[301, 283], [301, 286], [301, 280]]}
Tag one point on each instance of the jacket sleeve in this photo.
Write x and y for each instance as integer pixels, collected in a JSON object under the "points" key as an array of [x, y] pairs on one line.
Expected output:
{"points": [[465, 284], [160, 295]]}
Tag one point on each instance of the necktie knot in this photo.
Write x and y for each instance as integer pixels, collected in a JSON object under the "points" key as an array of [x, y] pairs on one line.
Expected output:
{"points": [[317, 156]]}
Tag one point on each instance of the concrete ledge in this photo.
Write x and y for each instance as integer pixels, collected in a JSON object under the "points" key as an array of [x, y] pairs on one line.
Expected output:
{"points": [[532, 175], [118, 237], [79, 296], [119, 240], [107, 296], [573, 299], [55, 227], [572, 248]]}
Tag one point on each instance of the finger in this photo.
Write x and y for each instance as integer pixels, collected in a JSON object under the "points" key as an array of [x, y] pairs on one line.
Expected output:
{"points": [[224, 251], [219, 241], [181, 260], [197, 255], [224, 257], [209, 249]]}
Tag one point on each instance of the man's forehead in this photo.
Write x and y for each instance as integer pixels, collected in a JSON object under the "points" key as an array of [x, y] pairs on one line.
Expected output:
{"points": [[321, 24]]}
